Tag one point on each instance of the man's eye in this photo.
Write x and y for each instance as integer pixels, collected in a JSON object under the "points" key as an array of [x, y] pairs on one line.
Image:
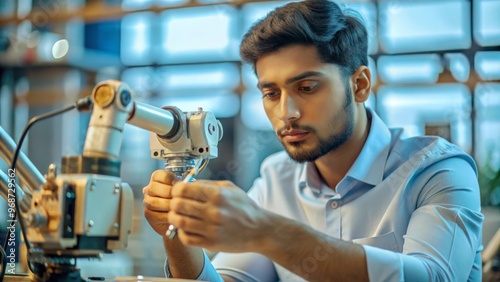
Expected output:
{"points": [[308, 88], [270, 95]]}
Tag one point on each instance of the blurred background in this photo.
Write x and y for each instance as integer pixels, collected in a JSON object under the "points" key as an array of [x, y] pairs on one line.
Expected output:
{"points": [[435, 67]]}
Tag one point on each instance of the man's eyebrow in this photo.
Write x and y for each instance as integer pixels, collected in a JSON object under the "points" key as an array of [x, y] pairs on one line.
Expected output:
{"points": [[262, 85], [306, 74]]}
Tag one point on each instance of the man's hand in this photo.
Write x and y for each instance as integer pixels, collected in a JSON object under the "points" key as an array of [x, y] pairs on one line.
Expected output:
{"points": [[157, 200], [216, 215]]}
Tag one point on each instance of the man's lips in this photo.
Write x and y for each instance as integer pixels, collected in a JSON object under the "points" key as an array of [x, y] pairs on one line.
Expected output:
{"points": [[294, 135]]}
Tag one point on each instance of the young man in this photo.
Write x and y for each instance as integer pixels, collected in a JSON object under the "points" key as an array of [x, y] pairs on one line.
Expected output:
{"points": [[350, 200]]}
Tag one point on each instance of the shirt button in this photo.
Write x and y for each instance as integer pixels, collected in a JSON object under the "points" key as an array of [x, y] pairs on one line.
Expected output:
{"points": [[334, 204]]}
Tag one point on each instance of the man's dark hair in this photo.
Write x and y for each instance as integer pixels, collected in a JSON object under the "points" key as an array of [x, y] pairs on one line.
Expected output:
{"points": [[340, 39]]}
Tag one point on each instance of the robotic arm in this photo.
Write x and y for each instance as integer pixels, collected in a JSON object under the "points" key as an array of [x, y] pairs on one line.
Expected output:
{"points": [[87, 209], [177, 137]]}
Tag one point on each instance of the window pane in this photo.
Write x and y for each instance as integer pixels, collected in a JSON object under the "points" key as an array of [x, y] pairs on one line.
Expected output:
{"points": [[253, 115], [445, 107], [202, 77], [371, 102], [144, 4], [143, 81], [459, 66], [169, 3], [426, 25], [487, 130], [201, 34], [486, 22], [410, 68], [373, 69], [213, 1], [222, 104], [368, 12], [249, 78], [255, 11], [103, 36], [137, 36], [487, 65], [136, 4]]}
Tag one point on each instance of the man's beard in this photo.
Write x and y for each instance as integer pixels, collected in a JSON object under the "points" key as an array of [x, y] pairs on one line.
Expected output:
{"points": [[325, 145]]}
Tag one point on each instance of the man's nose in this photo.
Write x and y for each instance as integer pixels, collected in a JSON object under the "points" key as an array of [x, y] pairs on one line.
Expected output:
{"points": [[289, 109]]}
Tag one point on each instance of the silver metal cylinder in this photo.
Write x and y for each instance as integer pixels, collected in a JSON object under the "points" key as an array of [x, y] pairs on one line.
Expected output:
{"points": [[27, 171], [157, 120], [22, 198], [180, 165]]}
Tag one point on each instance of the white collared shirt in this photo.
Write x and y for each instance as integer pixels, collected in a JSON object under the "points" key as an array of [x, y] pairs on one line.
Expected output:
{"points": [[413, 203]]}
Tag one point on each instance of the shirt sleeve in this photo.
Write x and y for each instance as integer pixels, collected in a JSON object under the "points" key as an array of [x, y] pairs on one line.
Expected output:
{"points": [[208, 272], [245, 267], [443, 240]]}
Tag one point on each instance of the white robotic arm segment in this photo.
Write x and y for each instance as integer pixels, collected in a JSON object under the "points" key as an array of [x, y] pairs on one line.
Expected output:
{"points": [[112, 105], [195, 139], [206, 131]]}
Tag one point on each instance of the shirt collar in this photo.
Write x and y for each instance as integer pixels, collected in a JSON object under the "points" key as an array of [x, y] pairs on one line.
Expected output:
{"points": [[369, 167]]}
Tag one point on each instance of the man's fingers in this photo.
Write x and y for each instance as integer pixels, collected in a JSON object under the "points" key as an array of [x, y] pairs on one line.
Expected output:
{"points": [[188, 207], [192, 225], [191, 239], [155, 216], [200, 190], [163, 176], [156, 189], [156, 204]]}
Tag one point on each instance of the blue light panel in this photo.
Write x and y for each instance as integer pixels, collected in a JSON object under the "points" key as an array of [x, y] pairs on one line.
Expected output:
{"points": [[201, 34], [486, 22], [487, 124], [223, 104], [136, 4], [200, 77], [170, 3], [144, 4], [253, 12], [487, 64], [103, 36], [422, 68], [137, 36], [373, 69], [368, 12], [213, 1], [414, 108], [371, 102], [253, 115], [249, 78], [143, 80], [459, 66], [426, 25]]}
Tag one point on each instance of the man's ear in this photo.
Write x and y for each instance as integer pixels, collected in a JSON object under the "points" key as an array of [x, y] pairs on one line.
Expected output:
{"points": [[361, 82]]}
